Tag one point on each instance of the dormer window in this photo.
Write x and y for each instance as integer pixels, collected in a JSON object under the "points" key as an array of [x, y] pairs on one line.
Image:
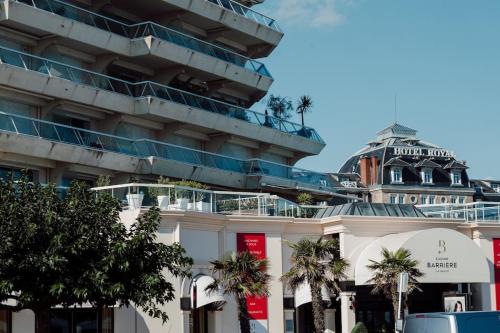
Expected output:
{"points": [[396, 175], [496, 187], [456, 177], [426, 174]]}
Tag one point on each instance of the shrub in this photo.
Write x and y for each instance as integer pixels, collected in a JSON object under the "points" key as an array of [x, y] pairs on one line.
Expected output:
{"points": [[359, 328]]}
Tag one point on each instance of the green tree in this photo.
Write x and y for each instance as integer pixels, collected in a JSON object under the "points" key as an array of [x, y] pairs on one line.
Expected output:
{"points": [[241, 275], [72, 250], [359, 328], [317, 263], [386, 275], [281, 107], [304, 105]]}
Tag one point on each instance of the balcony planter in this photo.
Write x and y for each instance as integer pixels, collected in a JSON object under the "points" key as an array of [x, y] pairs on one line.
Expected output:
{"points": [[182, 203], [135, 201], [163, 202], [202, 206]]}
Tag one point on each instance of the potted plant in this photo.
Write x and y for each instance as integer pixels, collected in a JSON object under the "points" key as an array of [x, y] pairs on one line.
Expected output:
{"points": [[134, 197], [305, 199], [161, 193]]}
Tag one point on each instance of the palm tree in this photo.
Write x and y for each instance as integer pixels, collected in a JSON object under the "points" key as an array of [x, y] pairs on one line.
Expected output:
{"points": [[304, 105], [386, 275], [317, 263], [241, 275]]}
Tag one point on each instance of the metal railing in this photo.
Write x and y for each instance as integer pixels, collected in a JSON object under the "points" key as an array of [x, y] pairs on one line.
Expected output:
{"points": [[247, 12], [168, 197], [470, 212], [144, 148], [145, 29], [150, 89]]}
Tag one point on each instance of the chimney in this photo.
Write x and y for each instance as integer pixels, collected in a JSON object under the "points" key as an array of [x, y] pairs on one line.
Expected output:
{"points": [[364, 163], [374, 170]]}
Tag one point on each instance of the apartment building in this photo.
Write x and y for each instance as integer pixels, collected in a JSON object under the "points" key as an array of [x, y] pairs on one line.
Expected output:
{"points": [[126, 88]]}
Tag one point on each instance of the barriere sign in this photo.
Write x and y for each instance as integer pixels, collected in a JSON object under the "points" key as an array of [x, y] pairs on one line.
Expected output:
{"points": [[429, 152]]}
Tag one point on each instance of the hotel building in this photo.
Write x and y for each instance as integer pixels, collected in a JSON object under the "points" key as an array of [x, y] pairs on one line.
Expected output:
{"points": [[165, 87]]}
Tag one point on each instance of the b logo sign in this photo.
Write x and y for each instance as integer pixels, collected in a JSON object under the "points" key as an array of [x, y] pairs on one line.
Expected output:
{"points": [[441, 246]]}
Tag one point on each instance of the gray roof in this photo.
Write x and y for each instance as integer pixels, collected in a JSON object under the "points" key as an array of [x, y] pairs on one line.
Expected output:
{"points": [[427, 164], [370, 209], [397, 130]]}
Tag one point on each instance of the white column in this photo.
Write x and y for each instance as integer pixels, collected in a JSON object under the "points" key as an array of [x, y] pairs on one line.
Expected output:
{"points": [[275, 301], [185, 321], [346, 313], [330, 320]]}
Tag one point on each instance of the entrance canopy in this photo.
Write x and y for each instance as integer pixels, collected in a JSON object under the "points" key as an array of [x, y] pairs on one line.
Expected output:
{"points": [[444, 256], [200, 297], [303, 295]]}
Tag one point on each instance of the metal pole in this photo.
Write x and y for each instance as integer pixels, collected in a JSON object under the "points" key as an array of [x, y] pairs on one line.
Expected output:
{"points": [[399, 311]]}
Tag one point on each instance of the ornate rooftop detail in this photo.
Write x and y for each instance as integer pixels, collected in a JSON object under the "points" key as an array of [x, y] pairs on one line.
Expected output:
{"points": [[396, 131]]}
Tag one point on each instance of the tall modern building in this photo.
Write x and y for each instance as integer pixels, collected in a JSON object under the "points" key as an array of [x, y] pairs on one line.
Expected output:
{"points": [[146, 88]]}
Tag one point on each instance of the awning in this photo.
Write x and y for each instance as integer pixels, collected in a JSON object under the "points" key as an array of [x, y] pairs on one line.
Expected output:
{"points": [[303, 295], [444, 256], [200, 297]]}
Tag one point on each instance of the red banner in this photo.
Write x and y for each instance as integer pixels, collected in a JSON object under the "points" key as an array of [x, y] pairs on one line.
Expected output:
{"points": [[496, 264], [256, 245]]}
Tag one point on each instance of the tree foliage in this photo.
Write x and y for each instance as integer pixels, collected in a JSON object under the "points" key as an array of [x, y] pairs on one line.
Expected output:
{"points": [[359, 328], [317, 263], [241, 275], [304, 105], [72, 250], [386, 275], [281, 107]]}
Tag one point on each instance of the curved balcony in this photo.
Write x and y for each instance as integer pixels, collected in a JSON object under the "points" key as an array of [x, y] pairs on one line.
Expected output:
{"points": [[145, 148], [151, 89], [249, 13], [145, 29]]}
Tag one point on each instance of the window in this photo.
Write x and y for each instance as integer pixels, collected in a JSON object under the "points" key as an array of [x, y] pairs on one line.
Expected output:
{"points": [[443, 200], [393, 199], [454, 200], [456, 177], [432, 199], [461, 200], [401, 199], [81, 320], [396, 175], [423, 200], [496, 187], [426, 176]]}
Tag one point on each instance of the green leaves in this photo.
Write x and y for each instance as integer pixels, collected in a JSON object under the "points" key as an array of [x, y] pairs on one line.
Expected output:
{"points": [[318, 263], [73, 250]]}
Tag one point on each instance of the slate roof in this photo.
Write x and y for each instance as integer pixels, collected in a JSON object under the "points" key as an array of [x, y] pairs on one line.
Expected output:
{"points": [[455, 165], [426, 163], [396, 161], [398, 130]]}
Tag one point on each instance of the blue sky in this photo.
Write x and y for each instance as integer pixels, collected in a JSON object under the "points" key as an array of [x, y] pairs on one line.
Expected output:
{"points": [[441, 58]]}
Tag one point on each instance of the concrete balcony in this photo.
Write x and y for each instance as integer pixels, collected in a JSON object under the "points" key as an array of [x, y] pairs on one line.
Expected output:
{"points": [[221, 19], [52, 141], [150, 100], [158, 46]]}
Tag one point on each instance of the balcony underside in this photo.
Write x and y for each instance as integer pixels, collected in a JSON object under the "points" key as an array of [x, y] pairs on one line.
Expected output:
{"points": [[74, 154], [210, 17], [160, 55], [150, 107]]}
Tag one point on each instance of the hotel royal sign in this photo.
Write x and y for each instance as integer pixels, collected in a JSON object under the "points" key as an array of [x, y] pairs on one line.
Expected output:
{"points": [[424, 152]]}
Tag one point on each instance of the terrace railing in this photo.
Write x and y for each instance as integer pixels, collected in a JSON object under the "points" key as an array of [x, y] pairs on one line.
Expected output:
{"points": [[173, 197], [247, 12], [470, 212], [145, 29], [150, 89], [143, 148]]}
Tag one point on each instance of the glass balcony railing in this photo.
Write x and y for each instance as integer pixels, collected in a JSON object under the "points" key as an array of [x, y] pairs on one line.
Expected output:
{"points": [[247, 12], [143, 148], [145, 29], [485, 212], [150, 89]]}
